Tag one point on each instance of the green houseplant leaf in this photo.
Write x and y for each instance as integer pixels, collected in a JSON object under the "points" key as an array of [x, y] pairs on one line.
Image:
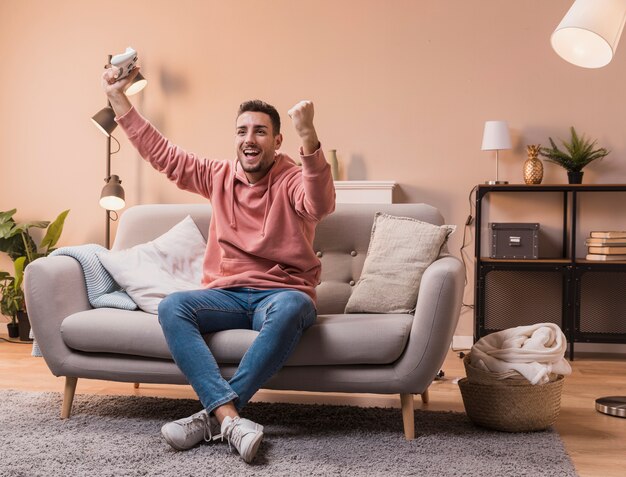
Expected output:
{"points": [[576, 154], [5, 230], [14, 246], [6, 224], [7, 216], [16, 241], [11, 296], [54, 232], [19, 265]]}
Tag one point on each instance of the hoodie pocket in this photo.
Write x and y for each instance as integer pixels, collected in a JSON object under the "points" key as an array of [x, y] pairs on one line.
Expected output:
{"points": [[237, 266]]}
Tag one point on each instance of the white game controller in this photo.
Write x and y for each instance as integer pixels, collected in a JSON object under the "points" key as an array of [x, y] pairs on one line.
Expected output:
{"points": [[125, 62]]}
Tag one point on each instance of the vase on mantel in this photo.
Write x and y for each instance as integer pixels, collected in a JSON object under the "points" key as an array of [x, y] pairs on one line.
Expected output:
{"points": [[533, 167], [334, 164]]}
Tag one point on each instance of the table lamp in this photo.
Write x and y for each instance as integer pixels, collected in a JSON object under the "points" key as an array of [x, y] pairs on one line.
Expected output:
{"points": [[495, 138]]}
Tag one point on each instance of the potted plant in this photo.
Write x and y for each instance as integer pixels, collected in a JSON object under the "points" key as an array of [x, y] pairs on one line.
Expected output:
{"points": [[17, 242], [578, 152], [11, 301]]}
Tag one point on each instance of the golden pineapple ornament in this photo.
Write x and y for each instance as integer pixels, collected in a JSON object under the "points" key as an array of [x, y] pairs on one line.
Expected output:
{"points": [[533, 167]]}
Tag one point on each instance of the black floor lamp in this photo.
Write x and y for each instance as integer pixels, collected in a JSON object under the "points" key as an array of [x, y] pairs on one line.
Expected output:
{"points": [[588, 36], [112, 196]]}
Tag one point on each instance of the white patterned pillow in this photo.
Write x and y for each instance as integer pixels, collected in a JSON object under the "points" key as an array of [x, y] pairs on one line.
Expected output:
{"points": [[149, 272]]}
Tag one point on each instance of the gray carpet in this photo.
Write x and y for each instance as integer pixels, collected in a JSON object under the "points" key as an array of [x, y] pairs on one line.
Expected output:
{"points": [[120, 436]]}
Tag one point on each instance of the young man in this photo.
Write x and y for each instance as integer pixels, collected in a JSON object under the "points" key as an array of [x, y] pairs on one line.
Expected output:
{"points": [[260, 271]]}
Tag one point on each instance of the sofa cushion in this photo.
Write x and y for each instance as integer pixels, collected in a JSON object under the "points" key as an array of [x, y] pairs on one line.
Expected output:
{"points": [[332, 340], [148, 272], [400, 250]]}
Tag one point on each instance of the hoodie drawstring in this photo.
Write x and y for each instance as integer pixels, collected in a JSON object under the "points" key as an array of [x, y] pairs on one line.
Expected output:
{"points": [[268, 201], [233, 221]]}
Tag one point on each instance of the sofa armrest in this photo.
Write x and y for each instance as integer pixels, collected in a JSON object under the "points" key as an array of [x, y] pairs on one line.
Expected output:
{"points": [[436, 317], [54, 288]]}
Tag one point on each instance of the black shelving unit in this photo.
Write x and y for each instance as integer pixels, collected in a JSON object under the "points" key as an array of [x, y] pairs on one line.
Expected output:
{"points": [[587, 299]]}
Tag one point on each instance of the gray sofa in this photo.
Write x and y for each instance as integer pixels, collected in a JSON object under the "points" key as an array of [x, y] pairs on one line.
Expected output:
{"points": [[355, 353]]}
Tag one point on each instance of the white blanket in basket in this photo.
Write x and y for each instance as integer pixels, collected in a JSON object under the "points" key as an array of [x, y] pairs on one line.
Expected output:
{"points": [[534, 351]]}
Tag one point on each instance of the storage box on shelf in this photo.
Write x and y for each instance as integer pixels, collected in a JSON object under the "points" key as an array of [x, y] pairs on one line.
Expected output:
{"points": [[514, 240]]}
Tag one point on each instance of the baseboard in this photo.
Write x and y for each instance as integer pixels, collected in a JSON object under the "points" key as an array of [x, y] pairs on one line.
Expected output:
{"points": [[461, 342]]}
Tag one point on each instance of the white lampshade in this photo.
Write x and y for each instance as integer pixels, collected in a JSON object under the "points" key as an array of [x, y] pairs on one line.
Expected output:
{"points": [[112, 203], [137, 85], [496, 136], [590, 31]]}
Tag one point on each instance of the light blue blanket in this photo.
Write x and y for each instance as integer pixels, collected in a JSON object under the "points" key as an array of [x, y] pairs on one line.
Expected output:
{"points": [[102, 290]]}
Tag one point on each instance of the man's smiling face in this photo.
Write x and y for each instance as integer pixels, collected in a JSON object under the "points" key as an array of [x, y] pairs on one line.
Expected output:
{"points": [[256, 144]]}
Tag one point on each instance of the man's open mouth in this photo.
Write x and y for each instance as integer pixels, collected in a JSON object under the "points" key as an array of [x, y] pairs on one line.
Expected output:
{"points": [[251, 152]]}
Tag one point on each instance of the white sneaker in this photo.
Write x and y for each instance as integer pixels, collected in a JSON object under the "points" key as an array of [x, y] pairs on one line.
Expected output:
{"points": [[244, 434], [189, 431]]}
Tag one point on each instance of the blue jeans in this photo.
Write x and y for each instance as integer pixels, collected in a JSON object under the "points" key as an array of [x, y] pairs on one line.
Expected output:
{"points": [[279, 315]]}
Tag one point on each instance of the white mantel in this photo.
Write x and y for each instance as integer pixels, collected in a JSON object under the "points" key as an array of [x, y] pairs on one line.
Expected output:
{"points": [[365, 192]]}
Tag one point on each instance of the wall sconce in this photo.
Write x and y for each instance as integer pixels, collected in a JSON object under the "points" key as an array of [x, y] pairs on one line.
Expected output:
{"points": [[112, 197], [589, 32], [496, 137]]}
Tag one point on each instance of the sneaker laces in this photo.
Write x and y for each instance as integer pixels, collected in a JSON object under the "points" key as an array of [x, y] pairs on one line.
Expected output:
{"points": [[233, 433], [205, 421]]}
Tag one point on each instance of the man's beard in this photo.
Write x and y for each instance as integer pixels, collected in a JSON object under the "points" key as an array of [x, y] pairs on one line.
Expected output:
{"points": [[261, 165], [258, 167]]}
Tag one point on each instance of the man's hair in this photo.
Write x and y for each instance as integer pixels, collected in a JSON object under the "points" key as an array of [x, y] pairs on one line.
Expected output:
{"points": [[258, 106]]}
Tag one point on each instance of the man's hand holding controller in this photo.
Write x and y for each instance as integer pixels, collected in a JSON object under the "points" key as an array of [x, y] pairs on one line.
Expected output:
{"points": [[117, 77]]}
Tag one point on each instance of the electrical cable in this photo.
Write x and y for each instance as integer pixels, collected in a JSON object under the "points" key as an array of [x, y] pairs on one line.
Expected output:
{"points": [[468, 223]]}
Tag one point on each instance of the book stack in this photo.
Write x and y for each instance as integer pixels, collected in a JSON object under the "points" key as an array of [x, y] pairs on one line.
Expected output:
{"points": [[606, 245]]}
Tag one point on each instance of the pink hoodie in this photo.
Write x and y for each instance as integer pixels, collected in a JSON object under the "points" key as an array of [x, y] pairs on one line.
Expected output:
{"points": [[260, 235]]}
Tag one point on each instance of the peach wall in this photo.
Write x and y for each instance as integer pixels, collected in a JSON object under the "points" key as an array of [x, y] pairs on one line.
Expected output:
{"points": [[401, 88]]}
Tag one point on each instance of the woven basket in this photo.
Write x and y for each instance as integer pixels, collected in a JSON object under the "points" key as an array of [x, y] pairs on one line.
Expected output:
{"points": [[516, 408], [507, 401]]}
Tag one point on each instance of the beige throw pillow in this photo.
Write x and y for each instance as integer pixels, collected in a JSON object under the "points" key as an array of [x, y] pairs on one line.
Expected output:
{"points": [[400, 250]]}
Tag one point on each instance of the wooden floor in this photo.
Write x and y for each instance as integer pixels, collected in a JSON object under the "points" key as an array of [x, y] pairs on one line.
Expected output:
{"points": [[596, 442]]}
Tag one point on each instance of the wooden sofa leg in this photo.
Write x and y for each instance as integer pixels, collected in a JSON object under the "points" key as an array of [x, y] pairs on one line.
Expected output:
{"points": [[68, 396], [408, 416], [425, 396]]}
